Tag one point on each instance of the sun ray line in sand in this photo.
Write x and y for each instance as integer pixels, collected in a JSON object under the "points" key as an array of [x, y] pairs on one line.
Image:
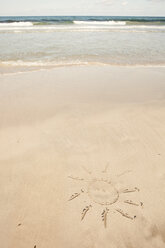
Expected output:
{"points": [[86, 170], [76, 178], [106, 168], [131, 203], [125, 214], [104, 216], [130, 190], [84, 212], [104, 192], [123, 173], [75, 195]]}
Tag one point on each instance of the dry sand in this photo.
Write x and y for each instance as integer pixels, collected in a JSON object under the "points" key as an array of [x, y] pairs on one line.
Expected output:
{"points": [[88, 133]]}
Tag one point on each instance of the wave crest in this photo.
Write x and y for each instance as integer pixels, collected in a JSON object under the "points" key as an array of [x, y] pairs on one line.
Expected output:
{"points": [[16, 24], [100, 22]]}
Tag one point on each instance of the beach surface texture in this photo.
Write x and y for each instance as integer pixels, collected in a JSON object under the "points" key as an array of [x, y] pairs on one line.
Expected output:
{"points": [[82, 157]]}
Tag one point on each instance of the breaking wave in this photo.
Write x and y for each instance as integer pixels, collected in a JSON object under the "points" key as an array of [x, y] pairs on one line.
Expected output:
{"points": [[16, 24], [100, 22]]}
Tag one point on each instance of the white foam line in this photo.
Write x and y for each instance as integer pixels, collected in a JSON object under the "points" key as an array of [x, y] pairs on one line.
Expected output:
{"points": [[16, 24], [85, 27], [40, 63], [100, 22], [72, 63]]}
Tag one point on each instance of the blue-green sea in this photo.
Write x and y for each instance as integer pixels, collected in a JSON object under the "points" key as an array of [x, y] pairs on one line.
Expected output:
{"points": [[73, 40]]}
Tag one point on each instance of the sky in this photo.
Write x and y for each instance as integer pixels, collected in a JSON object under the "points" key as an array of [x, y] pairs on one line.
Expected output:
{"points": [[83, 7]]}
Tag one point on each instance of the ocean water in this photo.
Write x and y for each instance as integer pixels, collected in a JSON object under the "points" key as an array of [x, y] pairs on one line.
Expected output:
{"points": [[73, 40]]}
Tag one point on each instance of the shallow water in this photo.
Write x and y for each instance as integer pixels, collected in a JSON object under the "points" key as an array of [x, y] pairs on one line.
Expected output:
{"points": [[52, 41]]}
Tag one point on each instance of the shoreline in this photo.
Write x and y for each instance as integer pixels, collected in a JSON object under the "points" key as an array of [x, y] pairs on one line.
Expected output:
{"points": [[25, 69]]}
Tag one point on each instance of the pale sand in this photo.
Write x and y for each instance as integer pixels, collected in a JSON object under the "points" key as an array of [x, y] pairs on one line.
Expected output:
{"points": [[87, 123]]}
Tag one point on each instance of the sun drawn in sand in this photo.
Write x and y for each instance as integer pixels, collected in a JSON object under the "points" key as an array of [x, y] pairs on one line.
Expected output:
{"points": [[106, 193]]}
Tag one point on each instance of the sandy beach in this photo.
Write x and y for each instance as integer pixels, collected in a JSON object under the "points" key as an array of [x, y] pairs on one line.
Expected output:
{"points": [[82, 158]]}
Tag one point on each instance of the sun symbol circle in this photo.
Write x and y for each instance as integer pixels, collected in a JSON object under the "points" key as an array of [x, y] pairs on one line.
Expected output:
{"points": [[103, 192]]}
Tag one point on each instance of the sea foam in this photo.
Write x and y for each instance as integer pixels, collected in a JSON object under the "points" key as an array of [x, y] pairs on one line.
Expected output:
{"points": [[100, 22], [16, 24]]}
